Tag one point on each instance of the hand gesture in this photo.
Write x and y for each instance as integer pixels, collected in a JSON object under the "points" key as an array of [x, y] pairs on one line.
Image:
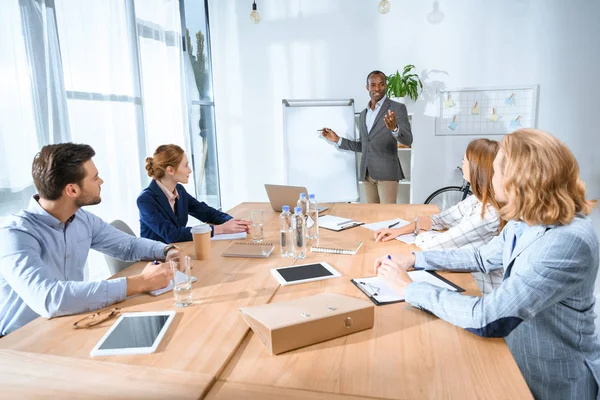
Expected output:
{"points": [[394, 275], [173, 253], [387, 234], [390, 120], [156, 275], [330, 135], [405, 261], [233, 226]]}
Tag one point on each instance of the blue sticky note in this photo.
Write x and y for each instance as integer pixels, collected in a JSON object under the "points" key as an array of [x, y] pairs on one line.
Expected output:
{"points": [[515, 124], [510, 101], [452, 125]]}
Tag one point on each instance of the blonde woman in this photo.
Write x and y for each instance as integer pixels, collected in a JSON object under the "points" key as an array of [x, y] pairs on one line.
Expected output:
{"points": [[549, 250], [471, 223]]}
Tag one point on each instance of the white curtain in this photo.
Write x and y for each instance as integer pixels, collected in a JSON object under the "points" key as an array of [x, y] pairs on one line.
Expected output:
{"points": [[106, 73]]}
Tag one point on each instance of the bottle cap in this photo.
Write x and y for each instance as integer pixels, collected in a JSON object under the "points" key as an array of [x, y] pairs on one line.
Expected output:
{"points": [[285, 208], [297, 209], [302, 195]]}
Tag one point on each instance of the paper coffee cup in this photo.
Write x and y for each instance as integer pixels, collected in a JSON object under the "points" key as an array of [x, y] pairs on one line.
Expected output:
{"points": [[201, 236]]}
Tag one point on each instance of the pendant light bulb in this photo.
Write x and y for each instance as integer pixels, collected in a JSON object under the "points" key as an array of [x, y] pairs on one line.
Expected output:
{"points": [[435, 16], [254, 15], [384, 7]]}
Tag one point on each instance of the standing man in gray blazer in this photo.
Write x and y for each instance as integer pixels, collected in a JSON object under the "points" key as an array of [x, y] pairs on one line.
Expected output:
{"points": [[382, 124]]}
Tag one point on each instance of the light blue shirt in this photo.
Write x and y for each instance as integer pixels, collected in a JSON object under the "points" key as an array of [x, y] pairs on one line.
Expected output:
{"points": [[42, 262], [371, 117]]}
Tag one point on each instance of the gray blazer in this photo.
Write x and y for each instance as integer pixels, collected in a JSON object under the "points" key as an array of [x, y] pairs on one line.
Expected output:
{"points": [[379, 147], [544, 306]]}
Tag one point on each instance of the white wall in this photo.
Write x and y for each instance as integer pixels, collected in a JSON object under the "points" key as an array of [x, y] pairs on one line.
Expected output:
{"points": [[324, 49]]}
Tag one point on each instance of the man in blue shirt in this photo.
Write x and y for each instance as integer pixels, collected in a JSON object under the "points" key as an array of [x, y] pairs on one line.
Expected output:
{"points": [[43, 249]]}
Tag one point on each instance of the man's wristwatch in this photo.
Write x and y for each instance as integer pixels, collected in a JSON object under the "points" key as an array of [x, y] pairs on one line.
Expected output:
{"points": [[169, 248]]}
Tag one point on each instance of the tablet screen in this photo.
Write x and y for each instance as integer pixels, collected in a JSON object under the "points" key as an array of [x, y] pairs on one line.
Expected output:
{"points": [[135, 331], [303, 272]]}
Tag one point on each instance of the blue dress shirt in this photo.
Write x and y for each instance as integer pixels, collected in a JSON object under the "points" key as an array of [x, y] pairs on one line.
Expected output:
{"points": [[42, 262]]}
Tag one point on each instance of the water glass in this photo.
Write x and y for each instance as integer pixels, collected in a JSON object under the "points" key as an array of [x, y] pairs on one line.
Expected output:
{"points": [[256, 230], [182, 280]]}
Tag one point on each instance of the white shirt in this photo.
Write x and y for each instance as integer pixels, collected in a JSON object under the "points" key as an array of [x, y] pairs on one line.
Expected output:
{"points": [[372, 114], [371, 117], [466, 230]]}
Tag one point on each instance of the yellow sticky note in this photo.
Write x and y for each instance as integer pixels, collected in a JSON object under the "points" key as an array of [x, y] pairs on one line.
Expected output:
{"points": [[475, 110], [494, 117], [448, 103]]}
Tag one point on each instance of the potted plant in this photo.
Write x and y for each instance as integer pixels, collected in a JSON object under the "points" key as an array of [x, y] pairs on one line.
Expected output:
{"points": [[405, 84]]}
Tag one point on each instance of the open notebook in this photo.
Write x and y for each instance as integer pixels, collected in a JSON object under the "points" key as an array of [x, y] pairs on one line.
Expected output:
{"points": [[380, 293], [249, 249]]}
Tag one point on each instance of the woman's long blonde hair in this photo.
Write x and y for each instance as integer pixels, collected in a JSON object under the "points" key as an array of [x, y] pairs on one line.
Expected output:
{"points": [[541, 180]]}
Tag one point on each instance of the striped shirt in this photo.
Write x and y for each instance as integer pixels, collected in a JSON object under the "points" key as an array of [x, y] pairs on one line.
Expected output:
{"points": [[465, 230]]}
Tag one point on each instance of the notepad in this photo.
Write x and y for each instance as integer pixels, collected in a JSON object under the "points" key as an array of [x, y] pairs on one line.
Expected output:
{"points": [[230, 236], [331, 250], [380, 293], [337, 224], [249, 249], [179, 277]]}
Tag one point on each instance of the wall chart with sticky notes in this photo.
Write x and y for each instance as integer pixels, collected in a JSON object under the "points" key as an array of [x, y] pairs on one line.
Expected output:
{"points": [[486, 111]]}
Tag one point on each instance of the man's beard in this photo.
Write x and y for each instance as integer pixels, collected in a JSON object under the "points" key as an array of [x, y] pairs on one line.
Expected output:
{"points": [[88, 201]]}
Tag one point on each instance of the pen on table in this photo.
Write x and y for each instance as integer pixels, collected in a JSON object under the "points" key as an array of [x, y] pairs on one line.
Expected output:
{"points": [[389, 257], [156, 262], [394, 224]]}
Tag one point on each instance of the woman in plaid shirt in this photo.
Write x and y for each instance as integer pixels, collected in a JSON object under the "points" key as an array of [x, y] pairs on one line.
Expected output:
{"points": [[471, 223]]}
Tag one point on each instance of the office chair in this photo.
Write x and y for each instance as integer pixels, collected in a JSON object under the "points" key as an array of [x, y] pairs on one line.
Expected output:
{"points": [[115, 265]]}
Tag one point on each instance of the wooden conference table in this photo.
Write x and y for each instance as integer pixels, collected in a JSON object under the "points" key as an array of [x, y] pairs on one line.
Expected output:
{"points": [[209, 351]]}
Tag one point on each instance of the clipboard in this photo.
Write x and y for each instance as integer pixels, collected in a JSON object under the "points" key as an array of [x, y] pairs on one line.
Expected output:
{"points": [[380, 294], [344, 227]]}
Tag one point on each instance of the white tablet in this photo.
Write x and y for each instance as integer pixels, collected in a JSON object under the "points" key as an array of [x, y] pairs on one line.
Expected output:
{"points": [[134, 333], [304, 273]]}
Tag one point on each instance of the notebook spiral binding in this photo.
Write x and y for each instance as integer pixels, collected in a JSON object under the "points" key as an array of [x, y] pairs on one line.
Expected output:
{"points": [[255, 243], [331, 250]]}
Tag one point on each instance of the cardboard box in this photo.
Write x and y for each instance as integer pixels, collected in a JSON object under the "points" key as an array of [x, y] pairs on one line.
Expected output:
{"points": [[301, 322]]}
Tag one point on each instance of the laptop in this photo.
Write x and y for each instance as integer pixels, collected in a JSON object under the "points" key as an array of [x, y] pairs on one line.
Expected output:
{"points": [[281, 195]]}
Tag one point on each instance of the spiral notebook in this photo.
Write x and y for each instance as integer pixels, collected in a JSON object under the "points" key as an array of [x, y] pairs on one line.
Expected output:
{"points": [[331, 250], [249, 249]]}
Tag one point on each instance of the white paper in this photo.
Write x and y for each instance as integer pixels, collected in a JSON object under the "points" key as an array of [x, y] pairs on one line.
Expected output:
{"points": [[179, 276], [230, 236], [333, 222], [409, 238], [385, 294], [375, 226]]}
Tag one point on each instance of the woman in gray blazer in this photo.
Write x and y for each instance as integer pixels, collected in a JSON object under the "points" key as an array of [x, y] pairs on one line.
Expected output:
{"points": [[549, 252]]}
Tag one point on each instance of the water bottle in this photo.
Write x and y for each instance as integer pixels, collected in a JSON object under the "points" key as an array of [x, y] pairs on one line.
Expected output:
{"points": [[299, 233], [312, 219], [303, 203], [285, 232]]}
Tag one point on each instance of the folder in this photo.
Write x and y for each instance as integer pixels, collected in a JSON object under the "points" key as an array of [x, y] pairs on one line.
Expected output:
{"points": [[292, 324]]}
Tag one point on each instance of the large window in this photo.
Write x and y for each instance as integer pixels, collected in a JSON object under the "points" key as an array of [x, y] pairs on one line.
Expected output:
{"points": [[200, 97], [120, 75]]}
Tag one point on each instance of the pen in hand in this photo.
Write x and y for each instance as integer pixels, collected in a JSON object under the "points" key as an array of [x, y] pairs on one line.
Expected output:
{"points": [[392, 225]]}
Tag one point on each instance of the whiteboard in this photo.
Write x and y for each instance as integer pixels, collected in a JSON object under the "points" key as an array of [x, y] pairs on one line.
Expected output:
{"points": [[312, 161]]}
